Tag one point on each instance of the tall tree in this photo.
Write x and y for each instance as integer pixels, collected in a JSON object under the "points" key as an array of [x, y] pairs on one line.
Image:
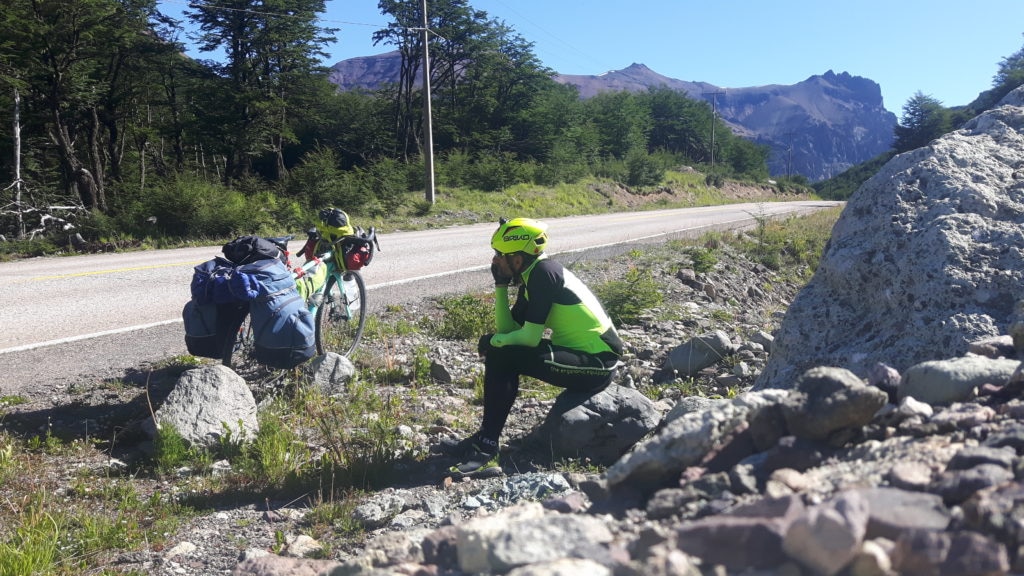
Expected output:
{"points": [[924, 119], [478, 68], [555, 127], [60, 47], [623, 121], [403, 34], [499, 82], [680, 124], [125, 77], [270, 49]]}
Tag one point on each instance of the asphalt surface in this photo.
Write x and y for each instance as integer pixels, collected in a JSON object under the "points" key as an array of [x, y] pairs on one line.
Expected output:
{"points": [[75, 318]]}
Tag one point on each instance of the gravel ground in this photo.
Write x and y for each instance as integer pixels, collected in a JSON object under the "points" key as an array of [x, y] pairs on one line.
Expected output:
{"points": [[737, 297]]}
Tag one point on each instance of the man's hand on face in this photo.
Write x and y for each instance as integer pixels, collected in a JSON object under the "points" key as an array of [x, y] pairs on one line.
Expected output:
{"points": [[500, 271]]}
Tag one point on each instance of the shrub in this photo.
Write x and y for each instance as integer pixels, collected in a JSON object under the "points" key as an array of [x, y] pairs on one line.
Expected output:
{"points": [[626, 300], [320, 180], [360, 434], [170, 449], [388, 182], [642, 169], [704, 259], [452, 169], [278, 451], [493, 172], [465, 318], [197, 209]]}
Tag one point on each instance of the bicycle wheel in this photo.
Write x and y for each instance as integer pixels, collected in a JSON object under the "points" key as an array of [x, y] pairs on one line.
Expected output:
{"points": [[340, 318], [239, 344]]}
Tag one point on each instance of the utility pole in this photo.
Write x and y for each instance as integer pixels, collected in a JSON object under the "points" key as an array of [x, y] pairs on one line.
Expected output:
{"points": [[714, 115], [789, 150], [428, 131]]}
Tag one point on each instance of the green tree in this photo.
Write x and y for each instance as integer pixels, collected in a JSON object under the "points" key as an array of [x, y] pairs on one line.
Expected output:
{"points": [[924, 119], [622, 121], [557, 132], [356, 124], [679, 123], [271, 50], [402, 34], [499, 82], [1010, 75], [746, 158], [86, 72]]}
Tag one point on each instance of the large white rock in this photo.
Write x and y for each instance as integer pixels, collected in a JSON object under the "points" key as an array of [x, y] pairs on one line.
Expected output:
{"points": [[925, 258]]}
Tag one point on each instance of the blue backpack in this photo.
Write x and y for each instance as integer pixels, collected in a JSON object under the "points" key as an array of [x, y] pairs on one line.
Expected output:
{"points": [[223, 293], [213, 312], [284, 330]]}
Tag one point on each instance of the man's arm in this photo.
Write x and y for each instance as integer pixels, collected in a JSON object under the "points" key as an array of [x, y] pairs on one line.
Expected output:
{"points": [[529, 335], [502, 313]]}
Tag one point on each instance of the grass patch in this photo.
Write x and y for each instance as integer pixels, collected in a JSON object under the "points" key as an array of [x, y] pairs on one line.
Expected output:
{"points": [[330, 449], [794, 242], [465, 317], [93, 518]]}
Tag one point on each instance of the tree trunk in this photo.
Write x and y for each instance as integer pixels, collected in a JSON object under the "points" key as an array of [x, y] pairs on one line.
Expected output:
{"points": [[279, 167], [96, 155], [17, 166], [71, 164], [178, 131]]}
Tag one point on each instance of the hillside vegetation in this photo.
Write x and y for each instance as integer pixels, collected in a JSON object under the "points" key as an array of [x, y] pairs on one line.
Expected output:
{"points": [[123, 140], [105, 499]]}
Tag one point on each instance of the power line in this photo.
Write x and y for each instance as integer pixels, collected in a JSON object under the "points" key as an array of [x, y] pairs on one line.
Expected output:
{"points": [[553, 36], [197, 5]]}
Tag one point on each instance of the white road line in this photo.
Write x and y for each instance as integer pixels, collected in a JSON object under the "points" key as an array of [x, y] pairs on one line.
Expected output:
{"points": [[87, 336], [368, 288]]}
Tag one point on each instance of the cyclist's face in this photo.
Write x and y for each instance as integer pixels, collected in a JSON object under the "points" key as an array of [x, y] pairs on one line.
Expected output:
{"points": [[507, 263]]}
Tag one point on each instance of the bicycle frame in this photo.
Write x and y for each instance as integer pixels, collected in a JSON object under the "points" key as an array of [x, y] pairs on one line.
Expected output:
{"points": [[343, 293]]}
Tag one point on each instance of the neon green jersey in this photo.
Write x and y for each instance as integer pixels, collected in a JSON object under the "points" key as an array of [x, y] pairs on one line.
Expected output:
{"points": [[553, 297]]}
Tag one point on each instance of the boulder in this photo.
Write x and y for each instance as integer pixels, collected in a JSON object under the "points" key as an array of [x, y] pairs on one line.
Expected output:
{"points": [[687, 440], [828, 401], [924, 259], [207, 404], [330, 372], [943, 382], [601, 427], [703, 351]]}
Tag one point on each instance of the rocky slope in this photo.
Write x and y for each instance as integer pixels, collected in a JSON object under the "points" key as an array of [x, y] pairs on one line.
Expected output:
{"points": [[867, 488], [738, 297], [844, 459]]}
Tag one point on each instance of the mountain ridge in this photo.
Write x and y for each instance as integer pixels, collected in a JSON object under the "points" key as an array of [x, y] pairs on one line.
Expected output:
{"points": [[817, 128]]}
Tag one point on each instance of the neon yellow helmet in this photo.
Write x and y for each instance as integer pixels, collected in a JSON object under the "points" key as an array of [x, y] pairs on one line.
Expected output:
{"points": [[520, 235], [333, 224]]}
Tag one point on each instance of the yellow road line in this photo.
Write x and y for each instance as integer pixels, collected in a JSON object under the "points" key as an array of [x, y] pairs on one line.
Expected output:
{"points": [[113, 271]]}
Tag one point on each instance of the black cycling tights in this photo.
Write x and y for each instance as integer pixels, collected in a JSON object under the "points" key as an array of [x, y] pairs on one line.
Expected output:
{"points": [[562, 367]]}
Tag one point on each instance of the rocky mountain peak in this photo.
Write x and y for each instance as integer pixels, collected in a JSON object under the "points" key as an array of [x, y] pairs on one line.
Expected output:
{"points": [[817, 128], [862, 89]]}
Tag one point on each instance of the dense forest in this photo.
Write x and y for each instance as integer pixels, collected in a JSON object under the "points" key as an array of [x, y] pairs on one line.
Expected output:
{"points": [[117, 134]]}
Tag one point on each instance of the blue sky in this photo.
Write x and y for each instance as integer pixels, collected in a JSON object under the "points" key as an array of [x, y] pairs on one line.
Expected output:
{"points": [[948, 50]]}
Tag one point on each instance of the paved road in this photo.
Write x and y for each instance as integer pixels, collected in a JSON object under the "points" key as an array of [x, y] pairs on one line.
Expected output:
{"points": [[67, 318]]}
